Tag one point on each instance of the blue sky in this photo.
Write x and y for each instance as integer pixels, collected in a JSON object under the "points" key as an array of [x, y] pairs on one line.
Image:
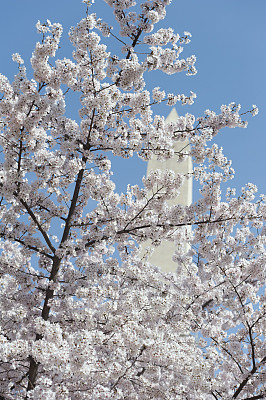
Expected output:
{"points": [[228, 38]]}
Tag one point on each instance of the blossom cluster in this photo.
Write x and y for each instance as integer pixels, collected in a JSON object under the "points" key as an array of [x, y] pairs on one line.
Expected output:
{"points": [[84, 313]]}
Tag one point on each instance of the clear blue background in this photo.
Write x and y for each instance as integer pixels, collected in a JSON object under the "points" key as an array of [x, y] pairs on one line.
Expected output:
{"points": [[228, 38]]}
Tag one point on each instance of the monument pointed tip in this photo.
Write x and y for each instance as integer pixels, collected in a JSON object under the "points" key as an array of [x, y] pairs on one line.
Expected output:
{"points": [[172, 116]]}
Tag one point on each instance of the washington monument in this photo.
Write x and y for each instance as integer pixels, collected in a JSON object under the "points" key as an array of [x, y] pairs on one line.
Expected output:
{"points": [[162, 255]]}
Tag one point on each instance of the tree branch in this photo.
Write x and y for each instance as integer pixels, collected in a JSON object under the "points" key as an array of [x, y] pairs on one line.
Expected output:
{"points": [[44, 234], [245, 381]]}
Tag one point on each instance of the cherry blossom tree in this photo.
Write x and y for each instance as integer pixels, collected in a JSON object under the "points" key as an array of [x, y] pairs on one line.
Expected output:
{"points": [[84, 315]]}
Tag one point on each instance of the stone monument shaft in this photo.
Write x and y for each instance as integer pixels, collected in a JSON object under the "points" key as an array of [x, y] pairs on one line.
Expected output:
{"points": [[162, 255]]}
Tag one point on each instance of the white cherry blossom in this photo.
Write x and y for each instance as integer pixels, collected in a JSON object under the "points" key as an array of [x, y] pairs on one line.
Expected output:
{"points": [[84, 314]]}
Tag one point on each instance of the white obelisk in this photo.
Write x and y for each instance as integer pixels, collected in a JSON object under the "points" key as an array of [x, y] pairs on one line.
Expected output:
{"points": [[162, 255]]}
